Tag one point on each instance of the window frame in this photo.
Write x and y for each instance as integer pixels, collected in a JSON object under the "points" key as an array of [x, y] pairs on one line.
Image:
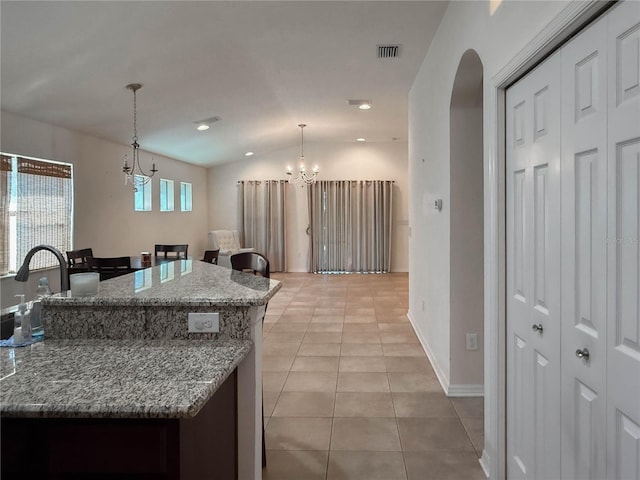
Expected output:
{"points": [[186, 196]]}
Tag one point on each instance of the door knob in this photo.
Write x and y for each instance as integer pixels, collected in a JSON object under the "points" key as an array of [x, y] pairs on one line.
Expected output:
{"points": [[537, 328], [584, 353]]}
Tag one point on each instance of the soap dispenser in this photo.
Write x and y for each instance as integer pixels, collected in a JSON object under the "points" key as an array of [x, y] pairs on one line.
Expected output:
{"points": [[22, 323]]}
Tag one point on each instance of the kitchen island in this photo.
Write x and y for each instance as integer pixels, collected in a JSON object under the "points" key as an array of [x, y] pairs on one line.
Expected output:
{"points": [[123, 362]]}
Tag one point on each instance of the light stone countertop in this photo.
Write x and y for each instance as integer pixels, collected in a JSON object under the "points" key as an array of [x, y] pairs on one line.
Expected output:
{"points": [[115, 379], [183, 282]]}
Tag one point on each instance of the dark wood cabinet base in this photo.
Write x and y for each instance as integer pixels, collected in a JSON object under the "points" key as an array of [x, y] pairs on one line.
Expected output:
{"points": [[199, 448]]}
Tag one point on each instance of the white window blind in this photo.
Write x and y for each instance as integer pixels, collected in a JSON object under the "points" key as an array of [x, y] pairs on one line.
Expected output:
{"points": [[37, 208]]}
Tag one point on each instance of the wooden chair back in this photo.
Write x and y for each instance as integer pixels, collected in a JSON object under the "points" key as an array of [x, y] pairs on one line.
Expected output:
{"points": [[77, 259], [255, 262], [211, 256], [110, 267], [179, 250]]}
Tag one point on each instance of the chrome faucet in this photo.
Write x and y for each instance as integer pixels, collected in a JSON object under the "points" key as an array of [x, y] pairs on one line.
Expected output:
{"points": [[23, 272]]}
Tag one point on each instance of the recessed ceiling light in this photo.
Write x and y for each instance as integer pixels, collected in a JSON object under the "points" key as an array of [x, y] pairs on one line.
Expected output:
{"points": [[203, 127], [361, 104], [248, 154], [361, 139]]}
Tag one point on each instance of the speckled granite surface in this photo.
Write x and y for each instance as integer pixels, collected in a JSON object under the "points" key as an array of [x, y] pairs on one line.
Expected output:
{"points": [[154, 304], [115, 379]]}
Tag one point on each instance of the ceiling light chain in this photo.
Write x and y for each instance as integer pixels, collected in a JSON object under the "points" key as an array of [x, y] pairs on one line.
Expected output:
{"points": [[134, 174], [303, 177]]}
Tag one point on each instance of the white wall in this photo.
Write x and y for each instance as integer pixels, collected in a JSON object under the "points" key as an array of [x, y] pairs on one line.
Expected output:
{"points": [[497, 39], [104, 218], [349, 161]]}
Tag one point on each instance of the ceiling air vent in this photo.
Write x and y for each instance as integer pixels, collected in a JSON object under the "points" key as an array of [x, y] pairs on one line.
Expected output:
{"points": [[388, 51]]}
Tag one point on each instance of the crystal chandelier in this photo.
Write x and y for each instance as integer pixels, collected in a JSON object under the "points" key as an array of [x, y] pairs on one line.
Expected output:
{"points": [[302, 177], [133, 173]]}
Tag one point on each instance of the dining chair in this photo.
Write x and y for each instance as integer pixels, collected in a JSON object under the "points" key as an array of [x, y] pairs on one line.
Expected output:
{"points": [[258, 264], [179, 250], [110, 267], [211, 256], [77, 259], [254, 262]]}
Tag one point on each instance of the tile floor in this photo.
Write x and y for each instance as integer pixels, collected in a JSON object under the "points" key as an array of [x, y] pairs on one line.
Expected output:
{"points": [[349, 392]]}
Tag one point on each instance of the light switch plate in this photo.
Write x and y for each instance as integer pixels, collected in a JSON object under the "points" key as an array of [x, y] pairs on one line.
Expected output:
{"points": [[204, 322]]}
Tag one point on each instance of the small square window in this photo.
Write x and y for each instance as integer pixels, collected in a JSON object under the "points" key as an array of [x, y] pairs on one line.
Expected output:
{"points": [[142, 194], [166, 195], [185, 196]]}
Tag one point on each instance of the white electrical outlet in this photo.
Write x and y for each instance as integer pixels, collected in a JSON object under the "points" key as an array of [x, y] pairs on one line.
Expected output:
{"points": [[204, 322], [472, 341]]}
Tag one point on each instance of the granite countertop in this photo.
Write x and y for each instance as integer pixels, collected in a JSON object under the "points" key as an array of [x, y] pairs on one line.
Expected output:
{"points": [[115, 379], [183, 282]]}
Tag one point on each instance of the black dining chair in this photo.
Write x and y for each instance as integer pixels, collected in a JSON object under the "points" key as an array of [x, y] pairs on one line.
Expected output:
{"points": [[252, 262], [258, 264], [179, 250], [110, 267], [77, 260], [211, 256]]}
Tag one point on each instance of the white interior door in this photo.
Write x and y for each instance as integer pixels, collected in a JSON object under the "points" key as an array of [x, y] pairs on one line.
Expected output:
{"points": [[584, 253], [533, 273], [623, 241]]}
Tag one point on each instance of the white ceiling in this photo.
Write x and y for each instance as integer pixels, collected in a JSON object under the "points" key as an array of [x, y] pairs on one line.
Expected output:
{"points": [[263, 67]]}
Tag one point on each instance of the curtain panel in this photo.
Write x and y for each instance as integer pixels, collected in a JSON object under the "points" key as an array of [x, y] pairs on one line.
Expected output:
{"points": [[5, 199], [262, 219], [350, 226]]}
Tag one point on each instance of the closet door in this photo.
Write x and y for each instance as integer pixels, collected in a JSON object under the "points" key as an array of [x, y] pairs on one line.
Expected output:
{"points": [[584, 253], [623, 243], [533, 274]]}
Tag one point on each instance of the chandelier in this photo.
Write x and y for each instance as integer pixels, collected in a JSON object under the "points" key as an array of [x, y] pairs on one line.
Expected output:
{"points": [[133, 173], [302, 177]]}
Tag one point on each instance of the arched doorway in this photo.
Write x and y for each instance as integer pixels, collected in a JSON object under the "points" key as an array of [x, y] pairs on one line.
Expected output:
{"points": [[466, 229]]}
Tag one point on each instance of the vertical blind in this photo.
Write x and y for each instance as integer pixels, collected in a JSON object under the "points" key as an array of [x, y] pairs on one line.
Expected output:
{"points": [[350, 226], [263, 220], [37, 207]]}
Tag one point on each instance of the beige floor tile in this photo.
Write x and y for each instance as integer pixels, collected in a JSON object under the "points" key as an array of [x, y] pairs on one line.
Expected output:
{"points": [[319, 349], [396, 327], [299, 311], [413, 382], [315, 364], [360, 327], [284, 337], [327, 319], [365, 434], [425, 434], [469, 406], [273, 381], [362, 364], [366, 466], [333, 311], [295, 465], [363, 404], [293, 318], [475, 429], [322, 337], [408, 365], [383, 318], [422, 404], [304, 404], [266, 328], [443, 466], [311, 382], [362, 382], [349, 318], [275, 348], [277, 363], [269, 400], [281, 327], [361, 337], [285, 433], [391, 337], [361, 349], [325, 327], [360, 311], [403, 350]]}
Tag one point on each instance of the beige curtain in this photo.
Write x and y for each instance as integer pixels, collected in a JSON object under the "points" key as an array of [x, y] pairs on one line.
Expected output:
{"points": [[5, 197], [262, 219], [350, 226]]}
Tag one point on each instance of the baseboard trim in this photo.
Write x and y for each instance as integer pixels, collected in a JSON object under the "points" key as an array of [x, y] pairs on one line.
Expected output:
{"points": [[442, 376], [466, 390]]}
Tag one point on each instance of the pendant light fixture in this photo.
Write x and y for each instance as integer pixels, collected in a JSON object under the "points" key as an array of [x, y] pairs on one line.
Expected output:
{"points": [[302, 177], [133, 173]]}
